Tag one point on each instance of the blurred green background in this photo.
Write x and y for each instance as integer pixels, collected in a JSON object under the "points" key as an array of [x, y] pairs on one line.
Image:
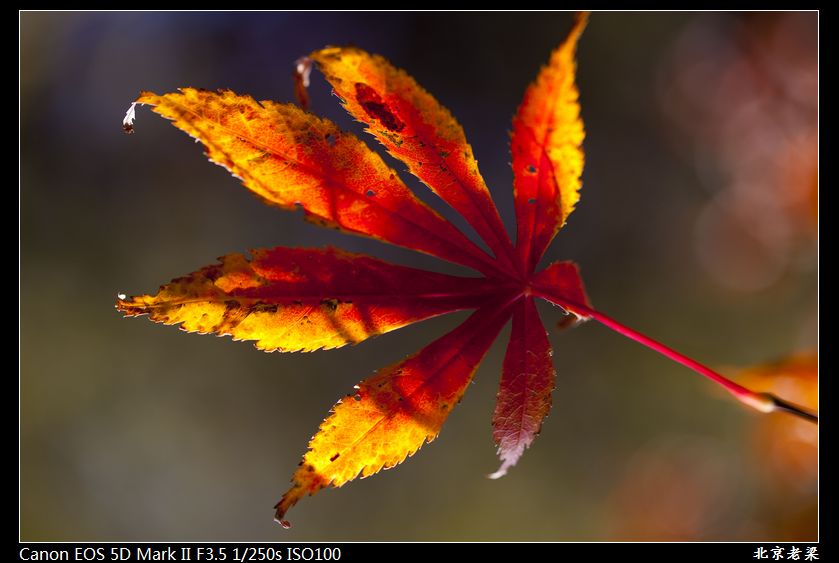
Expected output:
{"points": [[686, 230]]}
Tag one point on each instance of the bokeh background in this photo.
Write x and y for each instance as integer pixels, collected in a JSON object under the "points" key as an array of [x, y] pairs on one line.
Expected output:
{"points": [[697, 225]]}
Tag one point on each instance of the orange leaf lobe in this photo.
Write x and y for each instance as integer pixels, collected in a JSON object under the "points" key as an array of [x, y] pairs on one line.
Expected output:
{"points": [[393, 413], [293, 299], [547, 151]]}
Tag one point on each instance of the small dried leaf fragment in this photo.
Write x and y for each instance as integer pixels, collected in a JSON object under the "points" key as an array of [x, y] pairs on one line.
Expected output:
{"points": [[294, 159], [302, 73], [417, 130], [293, 299], [547, 151], [527, 380], [392, 414], [128, 120]]}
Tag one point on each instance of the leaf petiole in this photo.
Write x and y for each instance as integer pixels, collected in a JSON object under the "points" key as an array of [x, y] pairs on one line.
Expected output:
{"points": [[763, 402]]}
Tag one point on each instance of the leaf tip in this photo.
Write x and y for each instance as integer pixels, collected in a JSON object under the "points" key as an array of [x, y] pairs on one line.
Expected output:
{"points": [[128, 120], [502, 471], [130, 306], [581, 18], [122, 303], [290, 498], [281, 508], [284, 523]]}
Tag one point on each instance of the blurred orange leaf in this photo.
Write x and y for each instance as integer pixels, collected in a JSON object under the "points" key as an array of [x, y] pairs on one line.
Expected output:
{"points": [[789, 448]]}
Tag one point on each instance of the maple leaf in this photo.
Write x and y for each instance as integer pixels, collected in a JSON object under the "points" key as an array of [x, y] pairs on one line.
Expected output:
{"points": [[307, 299]]}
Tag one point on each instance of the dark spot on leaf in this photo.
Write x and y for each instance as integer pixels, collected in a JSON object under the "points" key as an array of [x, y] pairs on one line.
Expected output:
{"points": [[331, 304], [393, 138], [333, 458], [375, 107], [532, 201], [370, 193], [444, 154], [265, 307], [531, 169], [330, 139], [357, 397], [310, 468]]}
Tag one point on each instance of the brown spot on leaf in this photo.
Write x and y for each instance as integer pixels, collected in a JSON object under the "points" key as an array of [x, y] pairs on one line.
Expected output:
{"points": [[376, 108], [265, 308], [234, 314]]}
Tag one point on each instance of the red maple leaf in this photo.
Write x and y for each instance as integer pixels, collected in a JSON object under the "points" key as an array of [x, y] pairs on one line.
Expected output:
{"points": [[307, 299]]}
